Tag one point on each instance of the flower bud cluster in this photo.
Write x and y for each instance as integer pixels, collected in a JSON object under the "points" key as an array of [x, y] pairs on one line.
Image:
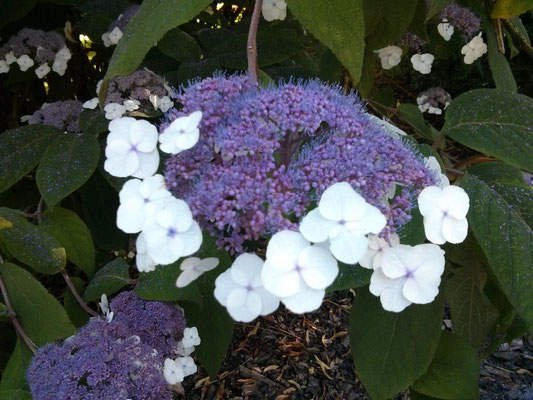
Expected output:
{"points": [[461, 18], [64, 115]]}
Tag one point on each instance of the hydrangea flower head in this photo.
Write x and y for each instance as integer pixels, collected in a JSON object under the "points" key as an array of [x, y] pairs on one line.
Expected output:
{"points": [[390, 56], [422, 62], [376, 246], [64, 115], [461, 18], [434, 100]]}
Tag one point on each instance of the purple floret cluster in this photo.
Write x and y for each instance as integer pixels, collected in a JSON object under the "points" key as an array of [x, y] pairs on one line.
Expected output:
{"points": [[39, 45], [64, 115], [462, 18], [412, 41], [123, 19], [141, 85], [121, 359], [266, 154]]}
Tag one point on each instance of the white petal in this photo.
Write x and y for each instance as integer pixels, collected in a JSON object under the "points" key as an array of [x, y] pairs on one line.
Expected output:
{"points": [[433, 222], [144, 136], [368, 259], [189, 263], [130, 219], [457, 200], [428, 199], [305, 300], [348, 248], [372, 221], [245, 268], [315, 228], [243, 305], [187, 277], [269, 301], [192, 239], [224, 285], [454, 230], [318, 268], [188, 140], [207, 264], [284, 249], [341, 202], [280, 282], [148, 164], [420, 292]]}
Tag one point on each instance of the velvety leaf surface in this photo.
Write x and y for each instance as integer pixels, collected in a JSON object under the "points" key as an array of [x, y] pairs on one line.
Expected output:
{"points": [[13, 376], [109, 279], [180, 46]]}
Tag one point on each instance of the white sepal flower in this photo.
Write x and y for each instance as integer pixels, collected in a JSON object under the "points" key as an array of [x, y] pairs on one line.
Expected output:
{"points": [[131, 148], [445, 29], [343, 217], [59, 66], [4, 67], [433, 165], [274, 9], [105, 39], [114, 111], [173, 372], [193, 267], [474, 49], [240, 289], [10, 58], [139, 201], [190, 337], [182, 134], [164, 104], [188, 365], [131, 105], [422, 62], [115, 35], [390, 56], [172, 233], [390, 129], [25, 62], [42, 70], [64, 53], [444, 212], [374, 252], [143, 260], [104, 304], [91, 104], [297, 272], [184, 351], [408, 275]]}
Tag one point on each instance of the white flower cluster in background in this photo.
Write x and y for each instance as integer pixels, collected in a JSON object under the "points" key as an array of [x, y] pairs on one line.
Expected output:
{"points": [[474, 49], [390, 56], [422, 62], [274, 9], [445, 29], [25, 62], [175, 371], [112, 38]]}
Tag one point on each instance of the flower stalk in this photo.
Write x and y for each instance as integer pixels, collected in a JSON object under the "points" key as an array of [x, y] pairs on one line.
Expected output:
{"points": [[253, 69]]}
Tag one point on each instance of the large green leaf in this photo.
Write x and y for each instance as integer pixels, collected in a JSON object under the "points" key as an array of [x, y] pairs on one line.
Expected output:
{"points": [[180, 46], [154, 19], [453, 373], [18, 394], [75, 311], [13, 10], [74, 236], [13, 376], [109, 279], [339, 24], [31, 244], [412, 233], [20, 151], [435, 6], [498, 172], [392, 350], [350, 276], [66, 165], [40, 314], [501, 219], [511, 8], [495, 122]]}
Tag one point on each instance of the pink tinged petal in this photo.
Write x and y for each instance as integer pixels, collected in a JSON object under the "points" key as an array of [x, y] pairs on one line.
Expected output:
{"points": [[348, 248], [148, 163], [279, 282], [224, 285], [420, 292], [189, 263], [315, 228], [305, 300], [208, 264], [433, 222], [144, 136], [457, 201], [429, 199], [187, 277], [454, 230], [192, 239], [269, 301], [246, 268], [244, 305], [341, 202], [130, 219], [284, 246], [318, 268], [188, 140]]}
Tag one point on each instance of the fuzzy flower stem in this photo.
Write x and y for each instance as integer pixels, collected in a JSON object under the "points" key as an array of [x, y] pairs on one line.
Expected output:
{"points": [[252, 41], [76, 294], [13, 316]]}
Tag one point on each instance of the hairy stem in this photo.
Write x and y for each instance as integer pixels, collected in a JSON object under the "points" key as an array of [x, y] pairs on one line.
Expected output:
{"points": [[76, 294], [252, 41]]}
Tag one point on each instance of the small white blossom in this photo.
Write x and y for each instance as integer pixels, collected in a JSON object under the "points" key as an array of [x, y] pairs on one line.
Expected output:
{"points": [[193, 267], [131, 148], [422, 62], [444, 212], [10, 58], [297, 272], [42, 70], [389, 128], [115, 35], [4, 67], [131, 105], [173, 372], [190, 337], [343, 217], [374, 252], [140, 201], [105, 39], [240, 289], [182, 134], [445, 29], [143, 260], [474, 49], [25, 62], [91, 104], [390, 56], [408, 275], [109, 316], [104, 304], [114, 111], [184, 351], [188, 365], [64, 54], [59, 66], [25, 118], [274, 9], [98, 86], [172, 233], [433, 165], [164, 104]]}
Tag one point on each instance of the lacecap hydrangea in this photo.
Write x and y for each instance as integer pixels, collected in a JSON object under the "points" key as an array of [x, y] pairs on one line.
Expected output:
{"points": [[266, 154]]}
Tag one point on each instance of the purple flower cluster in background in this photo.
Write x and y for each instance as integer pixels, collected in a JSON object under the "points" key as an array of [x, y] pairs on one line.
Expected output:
{"points": [[39, 45], [123, 19], [266, 154], [462, 18], [64, 115], [121, 359], [412, 41], [141, 86]]}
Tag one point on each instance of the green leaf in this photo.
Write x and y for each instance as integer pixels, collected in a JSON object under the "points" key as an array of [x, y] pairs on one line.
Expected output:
{"points": [[350, 276], [93, 122], [453, 373], [180, 46], [505, 9], [13, 376], [109, 279], [40, 314], [20, 151], [161, 285], [154, 19], [495, 122], [13, 10], [66, 165], [418, 23], [339, 24], [4, 315], [18, 394], [435, 6], [189, 71], [501, 219], [271, 49], [74, 236], [392, 350], [412, 233], [75, 312], [414, 117], [31, 244], [498, 172]]}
